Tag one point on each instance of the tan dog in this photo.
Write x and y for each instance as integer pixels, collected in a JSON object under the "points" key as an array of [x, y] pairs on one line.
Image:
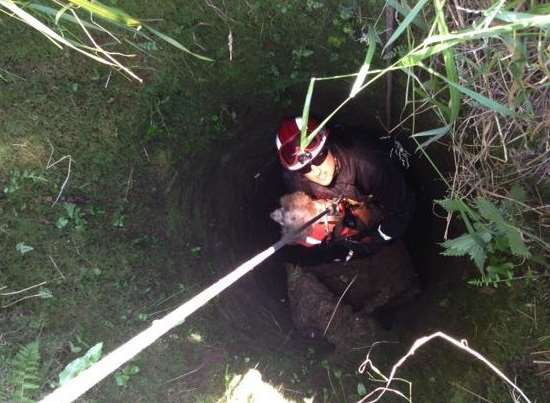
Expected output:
{"points": [[298, 208]]}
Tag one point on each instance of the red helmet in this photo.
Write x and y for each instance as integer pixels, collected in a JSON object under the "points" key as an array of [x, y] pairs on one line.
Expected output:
{"points": [[288, 143]]}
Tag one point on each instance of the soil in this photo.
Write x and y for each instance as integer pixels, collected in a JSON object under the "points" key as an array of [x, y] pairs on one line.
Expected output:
{"points": [[179, 177], [232, 194]]}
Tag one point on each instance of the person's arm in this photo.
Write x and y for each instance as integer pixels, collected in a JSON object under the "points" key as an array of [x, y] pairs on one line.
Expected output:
{"points": [[382, 179]]}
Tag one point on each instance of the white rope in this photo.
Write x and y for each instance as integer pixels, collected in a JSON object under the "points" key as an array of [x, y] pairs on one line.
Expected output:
{"points": [[108, 364]]}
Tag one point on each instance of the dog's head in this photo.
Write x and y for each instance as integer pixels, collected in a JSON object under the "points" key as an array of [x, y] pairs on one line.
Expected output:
{"points": [[296, 209]]}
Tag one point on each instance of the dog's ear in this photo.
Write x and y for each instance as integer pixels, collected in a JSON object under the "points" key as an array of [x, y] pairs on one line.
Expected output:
{"points": [[278, 216]]}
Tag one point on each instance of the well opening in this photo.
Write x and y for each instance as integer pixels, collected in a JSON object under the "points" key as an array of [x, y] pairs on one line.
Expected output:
{"points": [[241, 183]]}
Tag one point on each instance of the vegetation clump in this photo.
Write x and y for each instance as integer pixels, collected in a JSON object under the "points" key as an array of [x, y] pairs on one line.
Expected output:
{"points": [[103, 140]]}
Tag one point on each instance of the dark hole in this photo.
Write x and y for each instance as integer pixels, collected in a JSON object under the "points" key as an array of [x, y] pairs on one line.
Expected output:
{"points": [[241, 187]]}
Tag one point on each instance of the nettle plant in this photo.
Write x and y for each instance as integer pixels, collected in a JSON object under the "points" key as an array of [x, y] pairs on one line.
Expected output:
{"points": [[493, 239]]}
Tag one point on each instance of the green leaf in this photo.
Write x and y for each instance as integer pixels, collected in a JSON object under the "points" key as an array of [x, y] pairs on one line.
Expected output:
{"points": [[406, 22], [514, 16], [23, 248], [62, 222], [517, 245], [404, 10], [518, 193], [176, 44], [366, 65], [491, 13], [70, 208], [435, 135], [481, 99], [108, 13], [69, 18], [450, 65], [536, 21], [121, 379], [74, 348], [458, 206], [416, 56], [498, 271], [304, 139], [467, 244], [361, 389], [80, 364], [452, 205], [61, 12], [489, 211]]}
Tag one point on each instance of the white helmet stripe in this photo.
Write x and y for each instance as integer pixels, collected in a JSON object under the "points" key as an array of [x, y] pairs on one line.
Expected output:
{"points": [[278, 142]]}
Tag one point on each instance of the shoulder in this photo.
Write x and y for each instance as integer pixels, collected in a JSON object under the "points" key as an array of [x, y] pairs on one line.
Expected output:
{"points": [[358, 143], [359, 154]]}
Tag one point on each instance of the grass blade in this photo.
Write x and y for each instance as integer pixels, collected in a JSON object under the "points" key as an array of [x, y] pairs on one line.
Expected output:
{"points": [[108, 13], [119, 17], [481, 99], [61, 12], [535, 21], [404, 10], [52, 12], [176, 44], [434, 134], [406, 22], [450, 65], [491, 13], [57, 39], [514, 16], [366, 65], [415, 56], [304, 139]]}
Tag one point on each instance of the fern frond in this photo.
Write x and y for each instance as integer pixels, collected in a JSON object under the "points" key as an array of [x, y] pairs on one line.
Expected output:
{"points": [[24, 374], [477, 282], [3, 393]]}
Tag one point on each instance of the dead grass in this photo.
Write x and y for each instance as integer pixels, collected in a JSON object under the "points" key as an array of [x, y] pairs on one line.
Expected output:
{"points": [[495, 156]]}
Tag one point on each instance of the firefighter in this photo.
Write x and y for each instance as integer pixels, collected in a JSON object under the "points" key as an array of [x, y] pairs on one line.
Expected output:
{"points": [[374, 207], [330, 168]]}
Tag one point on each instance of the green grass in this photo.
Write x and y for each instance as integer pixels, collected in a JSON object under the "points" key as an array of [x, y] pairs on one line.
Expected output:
{"points": [[126, 142], [131, 146]]}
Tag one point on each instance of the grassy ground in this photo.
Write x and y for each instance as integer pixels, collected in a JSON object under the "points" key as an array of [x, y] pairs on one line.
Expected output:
{"points": [[107, 255], [112, 254]]}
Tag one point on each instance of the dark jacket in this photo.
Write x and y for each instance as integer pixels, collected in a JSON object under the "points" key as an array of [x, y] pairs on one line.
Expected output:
{"points": [[365, 172]]}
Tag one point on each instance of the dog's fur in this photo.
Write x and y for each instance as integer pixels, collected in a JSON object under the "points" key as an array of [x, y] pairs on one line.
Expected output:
{"points": [[296, 209]]}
